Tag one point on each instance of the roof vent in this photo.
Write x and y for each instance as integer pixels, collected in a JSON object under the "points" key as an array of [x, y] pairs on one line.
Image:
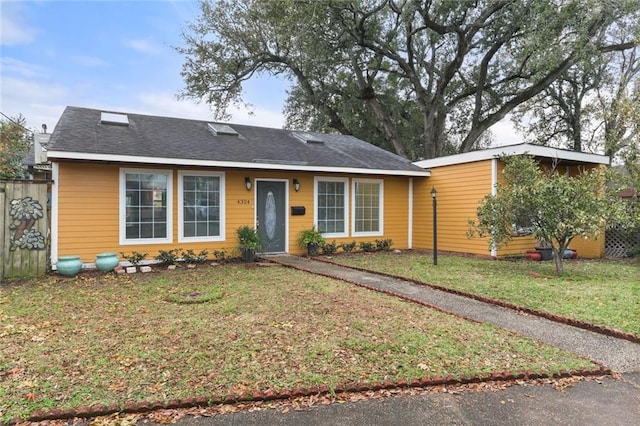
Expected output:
{"points": [[219, 129], [307, 137], [113, 118]]}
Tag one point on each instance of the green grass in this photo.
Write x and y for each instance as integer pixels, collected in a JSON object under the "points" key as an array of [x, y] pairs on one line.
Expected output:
{"points": [[103, 339], [605, 293]]}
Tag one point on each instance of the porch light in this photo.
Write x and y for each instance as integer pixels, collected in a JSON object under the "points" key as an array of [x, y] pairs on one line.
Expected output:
{"points": [[296, 185], [433, 192], [247, 183]]}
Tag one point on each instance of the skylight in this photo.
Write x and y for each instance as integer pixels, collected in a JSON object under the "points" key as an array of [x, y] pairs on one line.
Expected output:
{"points": [[307, 137], [114, 118], [221, 129]]}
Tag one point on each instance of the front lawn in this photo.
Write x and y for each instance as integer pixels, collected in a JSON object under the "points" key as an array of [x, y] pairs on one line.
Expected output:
{"points": [[104, 339], [600, 292]]}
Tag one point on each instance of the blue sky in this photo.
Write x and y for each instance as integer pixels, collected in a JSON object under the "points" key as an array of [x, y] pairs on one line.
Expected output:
{"points": [[115, 55]]}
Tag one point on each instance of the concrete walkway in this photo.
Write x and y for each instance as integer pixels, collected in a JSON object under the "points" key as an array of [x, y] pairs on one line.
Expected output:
{"points": [[595, 402]]}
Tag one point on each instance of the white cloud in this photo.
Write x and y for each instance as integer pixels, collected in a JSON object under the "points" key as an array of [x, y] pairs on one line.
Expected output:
{"points": [[13, 29], [20, 68], [143, 46], [89, 61]]}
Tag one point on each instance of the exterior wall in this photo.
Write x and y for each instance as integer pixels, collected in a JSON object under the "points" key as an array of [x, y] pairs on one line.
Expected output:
{"points": [[461, 187], [88, 222]]}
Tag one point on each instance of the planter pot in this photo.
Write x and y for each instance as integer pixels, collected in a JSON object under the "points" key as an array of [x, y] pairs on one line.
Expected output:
{"points": [[534, 255], [312, 249], [248, 255], [69, 265], [107, 261], [545, 253]]}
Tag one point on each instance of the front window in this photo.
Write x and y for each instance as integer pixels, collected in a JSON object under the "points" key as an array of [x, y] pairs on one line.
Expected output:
{"points": [[145, 206], [367, 202], [201, 213], [331, 206]]}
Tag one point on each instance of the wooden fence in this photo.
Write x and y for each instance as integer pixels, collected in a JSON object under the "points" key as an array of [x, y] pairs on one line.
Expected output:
{"points": [[24, 229]]}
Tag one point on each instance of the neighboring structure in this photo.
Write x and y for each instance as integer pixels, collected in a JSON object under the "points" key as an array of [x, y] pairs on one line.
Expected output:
{"points": [[36, 163], [463, 180], [129, 182]]}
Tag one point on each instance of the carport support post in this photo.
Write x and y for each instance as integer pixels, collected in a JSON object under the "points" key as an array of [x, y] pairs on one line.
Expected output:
{"points": [[434, 193]]}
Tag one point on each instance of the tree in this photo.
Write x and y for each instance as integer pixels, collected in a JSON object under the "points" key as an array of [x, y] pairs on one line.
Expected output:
{"points": [[418, 77], [587, 108], [15, 141], [557, 207]]}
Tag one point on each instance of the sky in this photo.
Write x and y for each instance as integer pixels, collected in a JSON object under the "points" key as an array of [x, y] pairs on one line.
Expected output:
{"points": [[116, 56]]}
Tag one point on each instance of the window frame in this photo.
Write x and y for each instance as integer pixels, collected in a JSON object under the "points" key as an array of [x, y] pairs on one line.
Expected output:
{"points": [[345, 182], [354, 207], [123, 207], [181, 237]]}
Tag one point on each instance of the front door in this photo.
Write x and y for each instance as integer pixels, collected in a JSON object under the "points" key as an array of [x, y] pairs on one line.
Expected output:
{"points": [[271, 209]]}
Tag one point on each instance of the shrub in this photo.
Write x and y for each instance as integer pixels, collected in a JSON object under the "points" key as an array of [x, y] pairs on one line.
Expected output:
{"points": [[348, 247], [190, 257], [330, 248], [384, 245], [367, 246], [220, 255], [134, 258], [168, 257]]}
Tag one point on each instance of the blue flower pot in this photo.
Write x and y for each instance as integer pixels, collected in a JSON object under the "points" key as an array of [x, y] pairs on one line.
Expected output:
{"points": [[107, 261], [69, 265]]}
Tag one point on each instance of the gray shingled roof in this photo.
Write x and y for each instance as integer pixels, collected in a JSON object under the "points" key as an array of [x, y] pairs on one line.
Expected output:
{"points": [[80, 131]]}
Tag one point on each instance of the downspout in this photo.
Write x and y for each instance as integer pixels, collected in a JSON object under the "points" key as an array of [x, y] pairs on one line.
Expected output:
{"points": [[55, 176], [410, 218], [494, 192]]}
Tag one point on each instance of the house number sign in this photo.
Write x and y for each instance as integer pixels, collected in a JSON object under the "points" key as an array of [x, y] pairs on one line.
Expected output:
{"points": [[244, 201]]}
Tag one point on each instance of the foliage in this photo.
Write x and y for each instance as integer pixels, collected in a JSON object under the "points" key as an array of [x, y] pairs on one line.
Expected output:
{"points": [[15, 141], [367, 246], [598, 292], [168, 257], [558, 207], [195, 296], [329, 248], [311, 237], [419, 78], [220, 255], [134, 258], [192, 258], [129, 344], [384, 245], [348, 247], [248, 238]]}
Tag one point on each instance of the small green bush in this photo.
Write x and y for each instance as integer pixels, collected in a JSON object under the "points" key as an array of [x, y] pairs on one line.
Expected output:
{"points": [[190, 257], [168, 257], [220, 255], [329, 248], [134, 258], [367, 246], [348, 247], [384, 245]]}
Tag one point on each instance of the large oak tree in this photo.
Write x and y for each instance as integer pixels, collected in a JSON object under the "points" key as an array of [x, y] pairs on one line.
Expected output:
{"points": [[421, 78]]}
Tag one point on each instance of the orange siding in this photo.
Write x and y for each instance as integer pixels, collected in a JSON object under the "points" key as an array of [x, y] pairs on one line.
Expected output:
{"points": [[88, 210], [460, 189]]}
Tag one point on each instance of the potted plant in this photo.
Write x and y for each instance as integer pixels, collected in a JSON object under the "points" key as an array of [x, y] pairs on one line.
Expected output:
{"points": [[311, 239], [248, 243]]}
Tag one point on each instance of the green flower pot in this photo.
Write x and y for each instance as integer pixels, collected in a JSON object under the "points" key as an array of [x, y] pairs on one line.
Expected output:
{"points": [[107, 261], [69, 265]]}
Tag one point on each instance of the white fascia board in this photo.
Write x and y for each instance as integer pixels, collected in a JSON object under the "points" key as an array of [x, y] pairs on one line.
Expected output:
{"points": [[520, 149], [63, 155]]}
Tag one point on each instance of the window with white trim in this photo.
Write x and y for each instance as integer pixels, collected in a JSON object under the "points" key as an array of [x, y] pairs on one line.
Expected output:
{"points": [[145, 206], [331, 206], [367, 207], [200, 206]]}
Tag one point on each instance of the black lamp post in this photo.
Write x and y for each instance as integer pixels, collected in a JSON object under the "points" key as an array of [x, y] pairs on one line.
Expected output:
{"points": [[434, 193]]}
